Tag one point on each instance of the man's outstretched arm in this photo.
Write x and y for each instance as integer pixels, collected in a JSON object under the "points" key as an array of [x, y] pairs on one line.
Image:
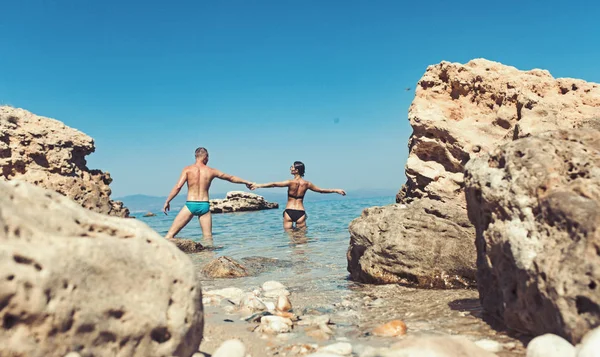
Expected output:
{"points": [[312, 187], [231, 178], [175, 191]]}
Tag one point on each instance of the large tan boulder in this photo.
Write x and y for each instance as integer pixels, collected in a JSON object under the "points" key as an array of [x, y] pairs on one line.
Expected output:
{"points": [[75, 280], [240, 201], [425, 245], [49, 154], [460, 112], [535, 203]]}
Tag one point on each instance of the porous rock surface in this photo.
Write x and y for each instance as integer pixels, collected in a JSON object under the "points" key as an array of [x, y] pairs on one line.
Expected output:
{"points": [[239, 201], [460, 112], [72, 280], [535, 204], [49, 154]]}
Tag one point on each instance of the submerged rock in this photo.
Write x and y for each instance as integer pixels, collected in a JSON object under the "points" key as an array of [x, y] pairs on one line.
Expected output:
{"points": [[224, 267], [536, 205], [459, 112], [187, 245], [72, 277], [49, 154], [239, 201]]}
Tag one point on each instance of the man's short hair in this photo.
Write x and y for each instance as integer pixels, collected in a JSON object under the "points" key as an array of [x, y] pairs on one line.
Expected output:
{"points": [[200, 152]]}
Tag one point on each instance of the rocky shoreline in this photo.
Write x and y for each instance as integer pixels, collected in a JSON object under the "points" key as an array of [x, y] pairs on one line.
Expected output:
{"points": [[503, 193]]}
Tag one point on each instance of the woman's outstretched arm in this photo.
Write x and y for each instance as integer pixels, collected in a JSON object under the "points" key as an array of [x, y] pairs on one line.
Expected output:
{"points": [[271, 184], [312, 187]]}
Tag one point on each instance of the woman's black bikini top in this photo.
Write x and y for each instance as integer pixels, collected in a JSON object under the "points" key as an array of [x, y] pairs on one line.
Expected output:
{"points": [[296, 197]]}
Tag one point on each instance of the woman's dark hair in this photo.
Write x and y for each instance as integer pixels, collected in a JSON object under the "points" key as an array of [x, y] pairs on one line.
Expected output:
{"points": [[298, 165]]}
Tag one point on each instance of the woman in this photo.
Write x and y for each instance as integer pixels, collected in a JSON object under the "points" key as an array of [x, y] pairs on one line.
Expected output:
{"points": [[297, 187]]}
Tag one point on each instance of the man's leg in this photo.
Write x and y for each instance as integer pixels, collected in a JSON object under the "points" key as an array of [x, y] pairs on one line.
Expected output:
{"points": [[206, 225], [183, 217]]}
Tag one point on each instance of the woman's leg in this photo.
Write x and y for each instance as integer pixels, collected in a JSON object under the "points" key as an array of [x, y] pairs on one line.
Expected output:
{"points": [[287, 221], [301, 223]]}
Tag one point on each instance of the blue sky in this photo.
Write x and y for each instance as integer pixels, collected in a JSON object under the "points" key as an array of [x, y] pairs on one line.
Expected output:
{"points": [[261, 83]]}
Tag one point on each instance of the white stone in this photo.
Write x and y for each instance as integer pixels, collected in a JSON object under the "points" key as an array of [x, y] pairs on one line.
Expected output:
{"points": [[233, 294], [489, 345], [230, 348], [314, 320], [276, 293], [590, 344], [253, 303], [550, 345], [340, 348], [272, 285]]}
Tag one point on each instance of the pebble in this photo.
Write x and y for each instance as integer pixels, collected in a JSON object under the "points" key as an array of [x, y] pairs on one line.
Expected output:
{"points": [[391, 329], [322, 354], [314, 320], [276, 293], [275, 324], [272, 285], [233, 294], [283, 303], [72, 354], [550, 345], [590, 344], [340, 348], [270, 305], [253, 303], [230, 348], [489, 345]]}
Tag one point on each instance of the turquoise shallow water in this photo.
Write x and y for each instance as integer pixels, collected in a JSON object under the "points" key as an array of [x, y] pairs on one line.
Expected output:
{"points": [[313, 267], [315, 260]]}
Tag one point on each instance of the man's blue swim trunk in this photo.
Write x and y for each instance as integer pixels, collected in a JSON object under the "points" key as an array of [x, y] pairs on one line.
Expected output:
{"points": [[198, 208]]}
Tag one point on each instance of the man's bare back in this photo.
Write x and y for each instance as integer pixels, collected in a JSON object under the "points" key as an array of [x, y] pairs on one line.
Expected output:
{"points": [[198, 178]]}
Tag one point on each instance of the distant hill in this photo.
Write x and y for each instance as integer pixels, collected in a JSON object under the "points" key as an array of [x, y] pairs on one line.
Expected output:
{"points": [[144, 203]]}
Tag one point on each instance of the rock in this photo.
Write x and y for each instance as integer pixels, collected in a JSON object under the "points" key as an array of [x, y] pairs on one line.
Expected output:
{"points": [[272, 285], [536, 206], [71, 278], [231, 348], [590, 344], [314, 320], [436, 346], [429, 245], [239, 201], [391, 329], [550, 345], [187, 245], [224, 267], [276, 293], [149, 214], [283, 303], [489, 345], [275, 324], [323, 354], [49, 154], [459, 112], [234, 294], [72, 354], [338, 349], [253, 303]]}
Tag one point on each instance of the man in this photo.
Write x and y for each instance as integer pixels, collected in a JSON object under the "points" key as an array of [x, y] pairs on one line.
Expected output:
{"points": [[198, 177]]}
